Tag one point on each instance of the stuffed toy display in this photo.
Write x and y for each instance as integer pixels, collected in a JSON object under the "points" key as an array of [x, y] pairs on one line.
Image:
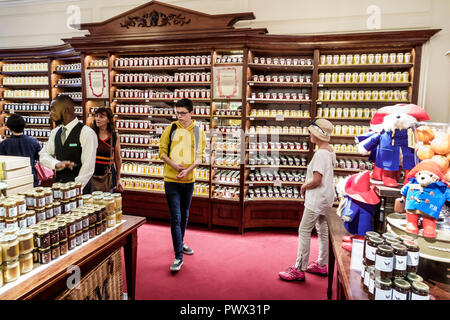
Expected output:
{"points": [[425, 194], [359, 207], [392, 144]]}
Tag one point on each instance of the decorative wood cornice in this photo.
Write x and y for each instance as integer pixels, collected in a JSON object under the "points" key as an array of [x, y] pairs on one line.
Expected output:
{"points": [[59, 51]]}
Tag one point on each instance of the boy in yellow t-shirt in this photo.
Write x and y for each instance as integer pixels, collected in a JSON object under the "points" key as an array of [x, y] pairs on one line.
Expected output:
{"points": [[181, 148]]}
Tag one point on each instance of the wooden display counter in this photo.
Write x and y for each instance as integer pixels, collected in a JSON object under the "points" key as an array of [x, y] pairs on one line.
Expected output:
{"points": [[348, 284], [52, 280]]}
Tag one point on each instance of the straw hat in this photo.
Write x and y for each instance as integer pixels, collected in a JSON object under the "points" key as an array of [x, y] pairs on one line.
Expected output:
{"points": [[322, 129]]}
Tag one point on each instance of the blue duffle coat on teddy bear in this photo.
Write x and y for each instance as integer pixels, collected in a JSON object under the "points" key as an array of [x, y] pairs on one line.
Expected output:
{"points": [[361, 215]]}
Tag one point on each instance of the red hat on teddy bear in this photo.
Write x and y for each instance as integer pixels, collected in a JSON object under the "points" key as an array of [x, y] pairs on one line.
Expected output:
{"points": [[411, 109], [427, 165]]}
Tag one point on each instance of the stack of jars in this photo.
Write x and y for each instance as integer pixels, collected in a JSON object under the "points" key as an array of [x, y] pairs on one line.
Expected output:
{"points": [[390, 264], [68, 67], [44, 94], [26, 106], [24, 67]]}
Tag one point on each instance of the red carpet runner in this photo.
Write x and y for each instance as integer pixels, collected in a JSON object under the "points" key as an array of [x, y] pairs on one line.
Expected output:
{"points": [[226, 266]]}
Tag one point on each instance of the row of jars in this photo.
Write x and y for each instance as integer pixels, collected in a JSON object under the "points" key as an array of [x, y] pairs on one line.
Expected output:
{"points": [[156, 185], [366, 58], [343, 147], [363, 77], [225, 192], [142, 169], [230, 161], [143, 154], [44, 133], [69, 66], [233, 145], [280, 95], [349, 130], [227, 176], [269, 192], [363, 95], [282, 160], [353, 164], [65, 81], [389, 260], [278, 130], [301, 78], [151, 94], [283, 61], [98, 63], [283, 113], [26, 106], [34, 120], [236, 58], [149, 77], [141, 124], [163, 61], [139, 139], [26, 94], [24, 67], [284, 176], [73, 95], [275, 146], [227, 129], [227, 112], [339, 113], [25, 80]]}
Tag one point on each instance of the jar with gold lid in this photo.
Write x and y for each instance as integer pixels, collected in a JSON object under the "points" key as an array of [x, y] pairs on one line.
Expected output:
{"points": [[71, 243], [73, 189], [71, 226], [65, 207], [31, 217], [26, 262], [73, 203], [55, 251], [98, 200], [40, 199], [2, 209], [110, 221], [11, 223], [63, 247], [65, 192], [79, 238], [85, 219], [420, 291], [26, 240], [43, 239], [22, 220], [413, 257], [45, 255], [11, 270], [49, 211], [30, 200], [411, 277], [62, 228], [11, 209], [85, 234], [98, 228], [97, 193], [56, 189], [78, 221], [118, 200], [48, 193], [57, 208], [109, 203], [92, 231], [383, 289], [40, 214], [401, 289], [21, 205], [54, 233], [79, 189], [10, 247], [87, 199], [119, 216]]}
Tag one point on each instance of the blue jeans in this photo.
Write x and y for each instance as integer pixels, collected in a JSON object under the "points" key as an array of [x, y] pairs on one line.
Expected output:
{"points": [[179, 196]]}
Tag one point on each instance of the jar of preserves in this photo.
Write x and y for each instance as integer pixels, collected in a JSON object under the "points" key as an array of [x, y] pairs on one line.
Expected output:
{"points": [[103, 212], [383, 289], [79, 222], [71, 244], [2, 209], [110, 221], [10, 247], [400, 289], [63, 247], [419, 291], [45, 255], [62, 228], [26, 240], [79, 189], [11, 209], [411, 277], [400, 260], [85, 219], [65, 207], [98, 228], [54, 233], [40, 199], [56, 188], [40, 214], [57, 208], [413, 256], [11, 223], [85, 234], [79, 238], [31, 218], [72, 189], [366, 278], [26, 262], [71, 226], [104, 225], [55, 251], [43, 239], [65, 192], [118, 200], [2, 224], [22, 220], [73, 203], [92, 217], [97, 193], [79, 201], [91, 231], [11, 271], [30, 200], [48, 193], [384, 261], [21, 205], [371, 283], [87, 199], [98, 200], [119, 216], [405, 237], [49, 211], [389, 235], [370, 250], [391, 241]]}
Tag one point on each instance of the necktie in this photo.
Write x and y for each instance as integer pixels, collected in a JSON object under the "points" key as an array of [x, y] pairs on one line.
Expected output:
{"points": [[63, 135]]}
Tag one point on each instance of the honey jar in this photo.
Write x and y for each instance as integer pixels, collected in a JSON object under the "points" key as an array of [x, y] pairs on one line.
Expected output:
{"points": [[26, 240], [65, 207], [110, 221], [10, 247], [11, 223], [119, 216], [109, 204], [11, 271], [118, 201], [65, 192], [21, 205], [26, 262], [49, 211], [30, 200], [87, 199]]}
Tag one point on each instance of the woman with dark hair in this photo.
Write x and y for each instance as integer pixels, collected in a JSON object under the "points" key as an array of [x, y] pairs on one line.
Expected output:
{"points": [[20, 144], [108, 151]]}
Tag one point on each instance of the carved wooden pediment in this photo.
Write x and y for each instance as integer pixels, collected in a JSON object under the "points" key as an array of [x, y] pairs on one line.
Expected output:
{"points": [[158, 17]]}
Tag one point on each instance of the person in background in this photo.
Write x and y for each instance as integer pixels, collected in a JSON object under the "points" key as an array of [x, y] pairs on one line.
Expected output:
{"points": [[181, 147], [108, 151], [20, 144], [318, 191], [71, 147]]}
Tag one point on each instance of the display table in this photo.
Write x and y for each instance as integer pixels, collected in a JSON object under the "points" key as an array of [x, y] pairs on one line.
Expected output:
{"points": [[349, 281], [51, 281]]}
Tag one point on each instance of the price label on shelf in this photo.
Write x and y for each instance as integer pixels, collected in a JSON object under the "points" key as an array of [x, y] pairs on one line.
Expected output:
{"points": [[250, 184], [216, 118], [252, 119], [252, 101], [320, 85], [12, 111], [150, 116], [277, 183], [159, 130], [252, 168], [279, 117], [251, 84]]}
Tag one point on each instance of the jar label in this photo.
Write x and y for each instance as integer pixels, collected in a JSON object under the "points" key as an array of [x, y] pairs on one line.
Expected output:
{"points": [[22, 208], [12, 212], [48, 200], [73, 205], [31, 202], [41, 202], [385, 264], [398, 295], [418, 297], [40, 216], [413, 259], [80, 202], [31, 220], [400, 263], [57, 210], [73, 243], [57, 194], [371, 285], [23, 223], [2, 211], [67, 195], [381, 294], [73, 193], [67, 207], [72, 228], [370, 252], [366, 278]]}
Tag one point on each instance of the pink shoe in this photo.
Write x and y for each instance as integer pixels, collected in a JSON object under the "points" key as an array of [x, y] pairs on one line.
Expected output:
{"points": [[292, 274], [314, 268]]}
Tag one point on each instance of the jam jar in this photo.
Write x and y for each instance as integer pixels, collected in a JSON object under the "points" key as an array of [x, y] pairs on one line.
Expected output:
{"points": [[85, 219], [98, 200], [55, 251], [389, 235], [104, 225], [26, 240], [31, 218], [48, 193], [30, 200], [118, 200], [57, 208], [98, 228], [63, 247], [2, 209], [79, 238], [11, 209], [45, 255], [119, 216], [54, 233], [92, 231], [87, 199], [73, 203], [413, 256], [383, 289], [71, 244], [370, 250], [49, 211], [43, 238], [79, 201], [40, 199], [65, 192], [92, 217], [21, 205], [405, 237], [384, 261], [62, 228], [65, 207], [85, 234], [78, 189], [71, 226], [11, 271], [2, 224], [400, 260], [56, 188], [371, 283], [26, 262], [40, 214], [10, 247], [22, 220], [11, 223], [411, 277], [400, 289], [419, 291]]}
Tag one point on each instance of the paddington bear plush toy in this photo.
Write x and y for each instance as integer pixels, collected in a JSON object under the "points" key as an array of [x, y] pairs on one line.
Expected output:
{"points": [[393, 141], [425, 194]]}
